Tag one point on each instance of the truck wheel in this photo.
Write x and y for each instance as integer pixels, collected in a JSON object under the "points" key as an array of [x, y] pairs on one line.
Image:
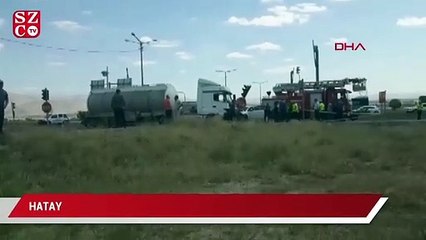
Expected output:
{"points": [[110, 122], [90, 123]]}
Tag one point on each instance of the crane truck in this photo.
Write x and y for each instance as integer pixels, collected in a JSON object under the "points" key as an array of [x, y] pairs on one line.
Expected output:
{"points": [[330, 92]]}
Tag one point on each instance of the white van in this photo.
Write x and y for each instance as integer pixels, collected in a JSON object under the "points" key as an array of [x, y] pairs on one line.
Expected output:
{"points": [[58, 119]]}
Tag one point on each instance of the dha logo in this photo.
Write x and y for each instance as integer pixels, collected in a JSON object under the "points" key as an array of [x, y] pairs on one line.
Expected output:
{"points": [[342, 46]]}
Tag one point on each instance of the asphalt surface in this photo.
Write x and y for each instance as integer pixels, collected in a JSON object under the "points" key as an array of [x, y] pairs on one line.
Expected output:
{"points": [[388, 121], [347, 121]]}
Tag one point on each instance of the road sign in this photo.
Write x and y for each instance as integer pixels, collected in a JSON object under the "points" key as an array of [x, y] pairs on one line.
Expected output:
{"points": [[46, 107], [382, 97]]}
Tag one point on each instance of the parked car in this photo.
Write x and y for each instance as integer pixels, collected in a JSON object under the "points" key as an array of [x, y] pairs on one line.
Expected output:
{"points": [[410, 109], [256, 113], [367, 110], [58, 119], [414, 108]]}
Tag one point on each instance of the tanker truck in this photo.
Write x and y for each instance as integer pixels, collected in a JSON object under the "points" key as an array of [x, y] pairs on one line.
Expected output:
{"points": [[143, 103]]}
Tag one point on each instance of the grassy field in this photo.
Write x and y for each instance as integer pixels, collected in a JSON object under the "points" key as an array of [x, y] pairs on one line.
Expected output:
{"points": [[217, 157]]}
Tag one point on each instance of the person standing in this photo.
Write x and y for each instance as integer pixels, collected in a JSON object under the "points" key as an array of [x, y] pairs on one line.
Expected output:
{"points": [[178, 104], [283, 111], [289, 110], [330, 111], [317, 109], [118, 104], [267, 113], [322, 110], [276, 112], [322, 106], [232, 109], [295, 111], [167, 105], [339, 109], [299, 112], [419, 110], [4, 99]]}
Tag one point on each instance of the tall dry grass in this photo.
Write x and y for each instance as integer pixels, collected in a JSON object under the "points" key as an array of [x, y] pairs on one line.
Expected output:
{"points": [[215, 156]]}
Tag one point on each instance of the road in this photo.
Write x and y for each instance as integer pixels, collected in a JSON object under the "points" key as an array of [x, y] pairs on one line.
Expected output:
{"points": [[390, 121], [77, 123]]}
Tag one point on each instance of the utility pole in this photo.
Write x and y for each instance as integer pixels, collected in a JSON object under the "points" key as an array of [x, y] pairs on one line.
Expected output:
{"points": [[298, 72], [107, 76], [142, 62], [260, 89], [141, 46], [226, 74]]}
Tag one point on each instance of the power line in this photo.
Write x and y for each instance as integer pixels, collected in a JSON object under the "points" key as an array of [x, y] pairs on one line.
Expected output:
{"points": [[65, 49]]}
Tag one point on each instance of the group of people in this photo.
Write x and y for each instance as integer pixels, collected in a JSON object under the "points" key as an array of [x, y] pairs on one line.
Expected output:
{"points": [[235, 108], [282, 111], [319, 107], [118, 105], [332, 111], [168, 107], [285, 111]]}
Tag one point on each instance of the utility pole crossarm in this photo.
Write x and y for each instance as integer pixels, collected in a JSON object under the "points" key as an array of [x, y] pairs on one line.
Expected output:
{"points": [[226, 74], [130, 41]]}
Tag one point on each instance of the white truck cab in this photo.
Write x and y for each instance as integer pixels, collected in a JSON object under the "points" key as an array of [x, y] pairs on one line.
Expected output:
{"points": [[212, 98]]}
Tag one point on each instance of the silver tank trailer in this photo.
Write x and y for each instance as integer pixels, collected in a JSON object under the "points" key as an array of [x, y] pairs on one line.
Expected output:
{"points": [[141, 102]]}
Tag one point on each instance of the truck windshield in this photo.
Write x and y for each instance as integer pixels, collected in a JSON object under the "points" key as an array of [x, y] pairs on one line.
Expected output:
{"points": [[228, 97], [222, 97]]}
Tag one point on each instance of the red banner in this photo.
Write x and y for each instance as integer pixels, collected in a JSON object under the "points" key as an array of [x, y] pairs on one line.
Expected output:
{"points": [[194, 206]]}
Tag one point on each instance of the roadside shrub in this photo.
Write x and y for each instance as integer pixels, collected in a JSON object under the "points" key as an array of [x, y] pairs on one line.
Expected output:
{"points": [[395, 104]]}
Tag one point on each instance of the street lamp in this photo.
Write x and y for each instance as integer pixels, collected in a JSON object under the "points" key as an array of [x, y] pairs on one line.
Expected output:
{"points": [[260, 89], [298, 70], [226, 74], [141, 45]]}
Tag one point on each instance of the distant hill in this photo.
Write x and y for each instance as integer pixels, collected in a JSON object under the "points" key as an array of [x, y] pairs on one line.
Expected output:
{"points": [[29, 105]]}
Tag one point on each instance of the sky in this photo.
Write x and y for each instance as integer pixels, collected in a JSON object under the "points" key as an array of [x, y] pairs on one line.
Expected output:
{"points": [[262, 39]]}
